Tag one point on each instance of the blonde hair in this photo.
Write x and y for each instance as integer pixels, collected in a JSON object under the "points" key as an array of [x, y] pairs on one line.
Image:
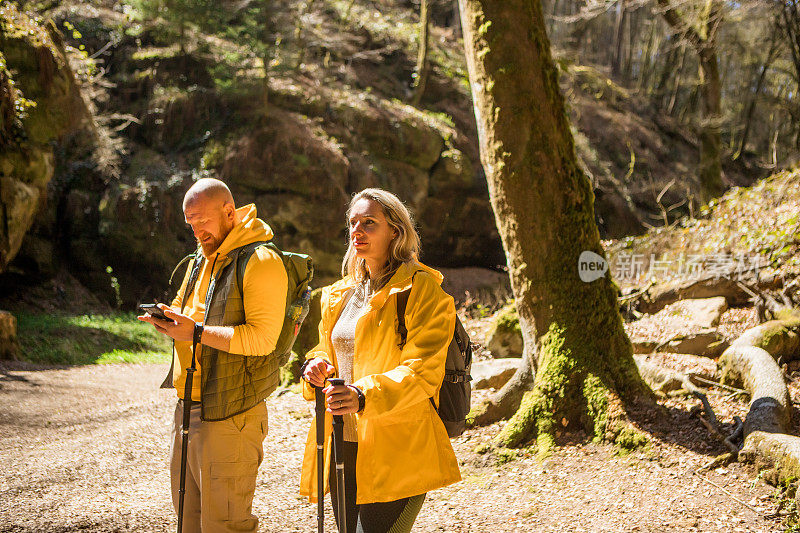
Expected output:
{"points": [[404, 248]]}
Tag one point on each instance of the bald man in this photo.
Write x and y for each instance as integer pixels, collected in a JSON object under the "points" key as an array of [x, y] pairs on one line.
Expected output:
{"points": [[238, 324]]}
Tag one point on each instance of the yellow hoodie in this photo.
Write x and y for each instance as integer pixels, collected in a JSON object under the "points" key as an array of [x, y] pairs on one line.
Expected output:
{"points": [[264, 290]]}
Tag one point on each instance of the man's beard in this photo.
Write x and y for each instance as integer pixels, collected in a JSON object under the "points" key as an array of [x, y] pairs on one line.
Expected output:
{"points": [[209, 247]]}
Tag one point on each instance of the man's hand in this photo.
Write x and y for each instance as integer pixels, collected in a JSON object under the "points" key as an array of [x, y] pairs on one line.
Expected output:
{"points": [[180, 327]]}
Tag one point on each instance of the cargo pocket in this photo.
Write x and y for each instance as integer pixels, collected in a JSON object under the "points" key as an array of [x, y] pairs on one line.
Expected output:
{"points": [[232, 488]]}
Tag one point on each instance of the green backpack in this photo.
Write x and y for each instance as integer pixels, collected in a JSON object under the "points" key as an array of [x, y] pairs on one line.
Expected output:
{"points": [[299, 273]]}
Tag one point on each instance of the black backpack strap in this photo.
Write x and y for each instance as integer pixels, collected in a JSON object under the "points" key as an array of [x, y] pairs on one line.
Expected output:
{"points": [[179, 265], [199, 259], [402, 330]]}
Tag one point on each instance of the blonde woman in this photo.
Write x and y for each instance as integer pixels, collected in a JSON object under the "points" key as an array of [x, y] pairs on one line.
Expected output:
{"points": [[396, 448]]}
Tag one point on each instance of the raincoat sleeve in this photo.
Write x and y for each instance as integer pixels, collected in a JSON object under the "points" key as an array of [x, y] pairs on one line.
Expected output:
{"points": [[320, 349], [430, 319], [264, 287]]}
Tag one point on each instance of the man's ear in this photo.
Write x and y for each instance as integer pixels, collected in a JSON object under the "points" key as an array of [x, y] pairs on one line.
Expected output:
{"points": [[230, 211]]}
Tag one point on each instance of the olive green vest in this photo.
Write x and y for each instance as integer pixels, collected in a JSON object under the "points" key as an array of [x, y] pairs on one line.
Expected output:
{"points": [[229, 383]]}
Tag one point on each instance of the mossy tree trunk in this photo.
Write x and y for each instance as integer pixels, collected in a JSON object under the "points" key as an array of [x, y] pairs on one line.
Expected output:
{"points": [[543, 205], [423, 68], [701, 34]]}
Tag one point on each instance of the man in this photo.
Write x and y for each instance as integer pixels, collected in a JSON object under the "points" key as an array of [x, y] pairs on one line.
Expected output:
{"points": [[228, 416]]}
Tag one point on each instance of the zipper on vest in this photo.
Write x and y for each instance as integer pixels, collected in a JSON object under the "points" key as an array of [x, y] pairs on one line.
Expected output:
{"points": [[212, 282]]}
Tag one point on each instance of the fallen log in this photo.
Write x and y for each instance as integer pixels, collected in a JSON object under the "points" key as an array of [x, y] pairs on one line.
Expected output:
{"points": [[750, 361], [756, 371]]}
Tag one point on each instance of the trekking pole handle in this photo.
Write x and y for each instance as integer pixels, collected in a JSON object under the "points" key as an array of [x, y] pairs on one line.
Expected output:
{"points": [[335, 382]]}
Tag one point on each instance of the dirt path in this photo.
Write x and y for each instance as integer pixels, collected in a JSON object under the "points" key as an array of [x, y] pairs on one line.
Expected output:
{"points": [[84, 449]]}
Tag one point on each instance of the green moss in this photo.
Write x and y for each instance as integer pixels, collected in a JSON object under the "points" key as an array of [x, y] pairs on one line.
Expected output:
{"points": [[213, 155], [505, 455], [45, 98], [484, 448], [630, 439], [145, 54], [596, 395], [507, 320]]}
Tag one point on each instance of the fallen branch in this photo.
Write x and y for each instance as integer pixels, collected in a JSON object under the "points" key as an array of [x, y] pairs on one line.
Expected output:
{"points": [[712, 424], [704, 381], [637, 294], [736, 436], [726, 491]]}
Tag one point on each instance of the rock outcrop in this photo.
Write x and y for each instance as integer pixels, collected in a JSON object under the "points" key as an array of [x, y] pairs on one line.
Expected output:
{"points": [[39, 103]]}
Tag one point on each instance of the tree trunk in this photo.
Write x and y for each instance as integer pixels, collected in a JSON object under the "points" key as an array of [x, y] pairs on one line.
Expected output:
{"points": [[299, 34], [422, 53], [702, 40], [543, 205], [791, 20], [710, 173], [660, 89], [647, 60], [632, 26], [182, 37], [751, 107], [676, 88], [268, 42], [622, 14]]}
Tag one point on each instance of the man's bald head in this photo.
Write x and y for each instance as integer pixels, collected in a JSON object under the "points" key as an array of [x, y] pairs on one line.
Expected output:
{"points": [[208, 190], [209, 209]]}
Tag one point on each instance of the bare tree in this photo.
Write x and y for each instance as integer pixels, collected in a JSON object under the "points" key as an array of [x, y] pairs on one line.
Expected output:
{"points": [[700, 30]]}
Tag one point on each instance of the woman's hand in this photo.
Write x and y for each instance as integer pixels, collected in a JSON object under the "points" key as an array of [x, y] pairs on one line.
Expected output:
{"points": [[317, 371], [341, 399]]}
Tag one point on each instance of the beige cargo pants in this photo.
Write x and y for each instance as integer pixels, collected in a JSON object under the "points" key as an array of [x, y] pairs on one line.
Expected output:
{"points": [[221, 468]]}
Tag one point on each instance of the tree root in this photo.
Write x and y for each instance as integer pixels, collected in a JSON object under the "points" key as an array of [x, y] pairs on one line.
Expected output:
{"points": [[751, 362], [664, 380], [776, 450], [759, 373], [505, 402]]}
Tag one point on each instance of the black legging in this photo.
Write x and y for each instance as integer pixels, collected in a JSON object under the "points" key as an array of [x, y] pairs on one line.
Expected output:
{"points": [[382, 517]]}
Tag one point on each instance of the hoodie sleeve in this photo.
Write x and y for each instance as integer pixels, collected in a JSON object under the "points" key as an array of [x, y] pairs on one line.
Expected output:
{"points": [[264, 289], [430, 319]]}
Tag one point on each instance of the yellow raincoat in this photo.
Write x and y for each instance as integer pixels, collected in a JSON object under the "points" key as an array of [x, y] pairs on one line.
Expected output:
{"points": [[403, 447]]}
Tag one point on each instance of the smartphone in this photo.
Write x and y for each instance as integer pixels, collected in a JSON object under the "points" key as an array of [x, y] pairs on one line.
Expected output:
{"points": [[154, 311]]}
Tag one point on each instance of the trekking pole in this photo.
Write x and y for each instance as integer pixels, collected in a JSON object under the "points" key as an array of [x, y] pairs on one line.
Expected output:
{"points": [[319, 409], [338, 456], [187, 406]]}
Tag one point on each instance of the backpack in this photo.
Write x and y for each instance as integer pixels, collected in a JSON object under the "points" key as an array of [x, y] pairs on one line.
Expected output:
{"points": [[454, 395], [299, 273]]}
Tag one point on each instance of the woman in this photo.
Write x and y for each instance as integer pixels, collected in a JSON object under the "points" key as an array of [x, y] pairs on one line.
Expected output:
{"points": [[396, 447]]}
